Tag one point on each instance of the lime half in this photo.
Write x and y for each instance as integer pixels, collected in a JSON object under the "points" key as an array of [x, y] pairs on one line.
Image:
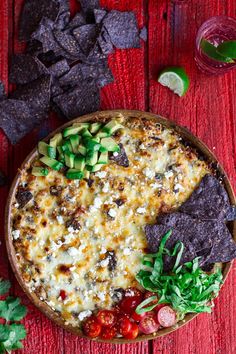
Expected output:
{"points": [[176, 79], [227, 49], [212, 52]]}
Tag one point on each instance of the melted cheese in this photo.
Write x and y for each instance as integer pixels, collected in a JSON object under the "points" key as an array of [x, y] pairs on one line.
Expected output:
{"points": [[54, 256]]}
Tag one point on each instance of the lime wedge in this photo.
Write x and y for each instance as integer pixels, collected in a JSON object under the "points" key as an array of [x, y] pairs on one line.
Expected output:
{"points": [[212, 52], [176, 79], [227, 49]]}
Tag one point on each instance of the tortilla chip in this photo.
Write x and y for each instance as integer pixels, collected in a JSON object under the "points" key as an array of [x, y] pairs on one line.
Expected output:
{"points": [[86, 37], [96, 55], [3, 95], [17, 118], [32, 13], [122, 29], [73, 77], [121, 159], [143, 34], [230, 213], [208, 201], [100, 73], [104, 42], [37, 93], [77, 21], [59, 68], [99, 15], [25, 68], [78, 101], [69, 45], [88, 6]]}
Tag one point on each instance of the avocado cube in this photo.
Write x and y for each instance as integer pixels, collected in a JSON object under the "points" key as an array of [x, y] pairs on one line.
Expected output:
{"points": [[79, 162], [112, 127], [103, 158], [94, 128], [56, 140], [74, 174], [69, 159], [39, 171], [74, 140], [46, 150], [109, 144], [91, 158], [82, 150], [54, 164]]}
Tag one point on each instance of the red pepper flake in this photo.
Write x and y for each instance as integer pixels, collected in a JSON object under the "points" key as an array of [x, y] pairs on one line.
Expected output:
{"points": [[63, 295]]}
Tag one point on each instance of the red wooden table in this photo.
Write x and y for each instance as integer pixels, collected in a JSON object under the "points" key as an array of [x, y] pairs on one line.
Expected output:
{"points": [[208, 110]]}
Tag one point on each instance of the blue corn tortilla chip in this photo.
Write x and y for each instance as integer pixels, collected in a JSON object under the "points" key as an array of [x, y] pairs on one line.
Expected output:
{"points": [[3, 95], [96, 55], [37, 93], [122, 28], [80, 100], [77, 21], [63, 17], [69, 44], [17, 118], [86, 37], [88, 6], [104, 42], [3, 179], [99, 15], [100, 73], [32, 13], [59, 68], [230, 213], [73, 77], [25, 68], [121, 157], [208, 201], [143, 34]]}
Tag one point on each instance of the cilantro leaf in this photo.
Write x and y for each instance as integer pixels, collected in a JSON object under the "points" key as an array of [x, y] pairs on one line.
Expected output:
{"points": [[12, 310], [4, 286], [187, 287], [4, 332]]}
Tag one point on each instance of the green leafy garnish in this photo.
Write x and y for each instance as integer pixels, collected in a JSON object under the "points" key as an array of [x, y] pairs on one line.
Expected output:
{"points": [[187, 287], [11, 333]]}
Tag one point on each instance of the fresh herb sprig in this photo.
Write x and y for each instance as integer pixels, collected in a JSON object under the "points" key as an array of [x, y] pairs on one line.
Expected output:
{"points": [[11, 311], [187, 287]]}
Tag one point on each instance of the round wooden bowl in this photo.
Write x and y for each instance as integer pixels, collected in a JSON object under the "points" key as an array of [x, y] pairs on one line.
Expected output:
{"points": [[193, 141]]}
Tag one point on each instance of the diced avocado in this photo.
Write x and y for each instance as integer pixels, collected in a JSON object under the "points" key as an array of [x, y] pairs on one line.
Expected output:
{"points": [[39, 171], [74, 174], [79, 162], [91, 158], [74, 129], [69, 159], [56, 140], [61, 156], [83, 125], [54, 164], [112, 127], [108, 144], [91, 144], [94, 168], [102, 134], [86, 174], [86, 133], [94, 128], [74, 140], [82, 150], [46, 150], [67, 146], [103, 158]]}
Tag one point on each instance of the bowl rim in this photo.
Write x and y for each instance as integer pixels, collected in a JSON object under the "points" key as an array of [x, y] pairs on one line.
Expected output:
{"points": [[194, 142]]}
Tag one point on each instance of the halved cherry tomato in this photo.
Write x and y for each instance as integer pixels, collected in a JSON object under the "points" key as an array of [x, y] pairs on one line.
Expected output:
{"points": [[106, 318], [158, 307], [108, 333], [92, 327], [129, 304], [63, 295], [149, 323], [136, 317], [132, 291], [124, 326], [133, 333], [166, 316]]}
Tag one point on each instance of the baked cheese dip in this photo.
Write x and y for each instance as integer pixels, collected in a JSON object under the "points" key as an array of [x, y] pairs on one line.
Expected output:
{"points": [[81, 207]]}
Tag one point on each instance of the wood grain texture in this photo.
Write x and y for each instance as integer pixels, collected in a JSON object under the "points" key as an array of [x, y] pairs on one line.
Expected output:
{"points": [[208, 110]]}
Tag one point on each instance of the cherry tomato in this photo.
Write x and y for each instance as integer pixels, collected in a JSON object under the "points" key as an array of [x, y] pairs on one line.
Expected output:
{"points": [[92, 327], [166, 316], [130, 292], [106, 318], [129, 304], [108, 333], [63, 295], [158, 307], [149, 323], [136, 317], [133, 333], [124, 326]]}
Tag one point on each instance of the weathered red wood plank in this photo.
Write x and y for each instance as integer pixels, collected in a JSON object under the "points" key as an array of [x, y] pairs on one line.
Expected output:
{"points": [[208, 110]]}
